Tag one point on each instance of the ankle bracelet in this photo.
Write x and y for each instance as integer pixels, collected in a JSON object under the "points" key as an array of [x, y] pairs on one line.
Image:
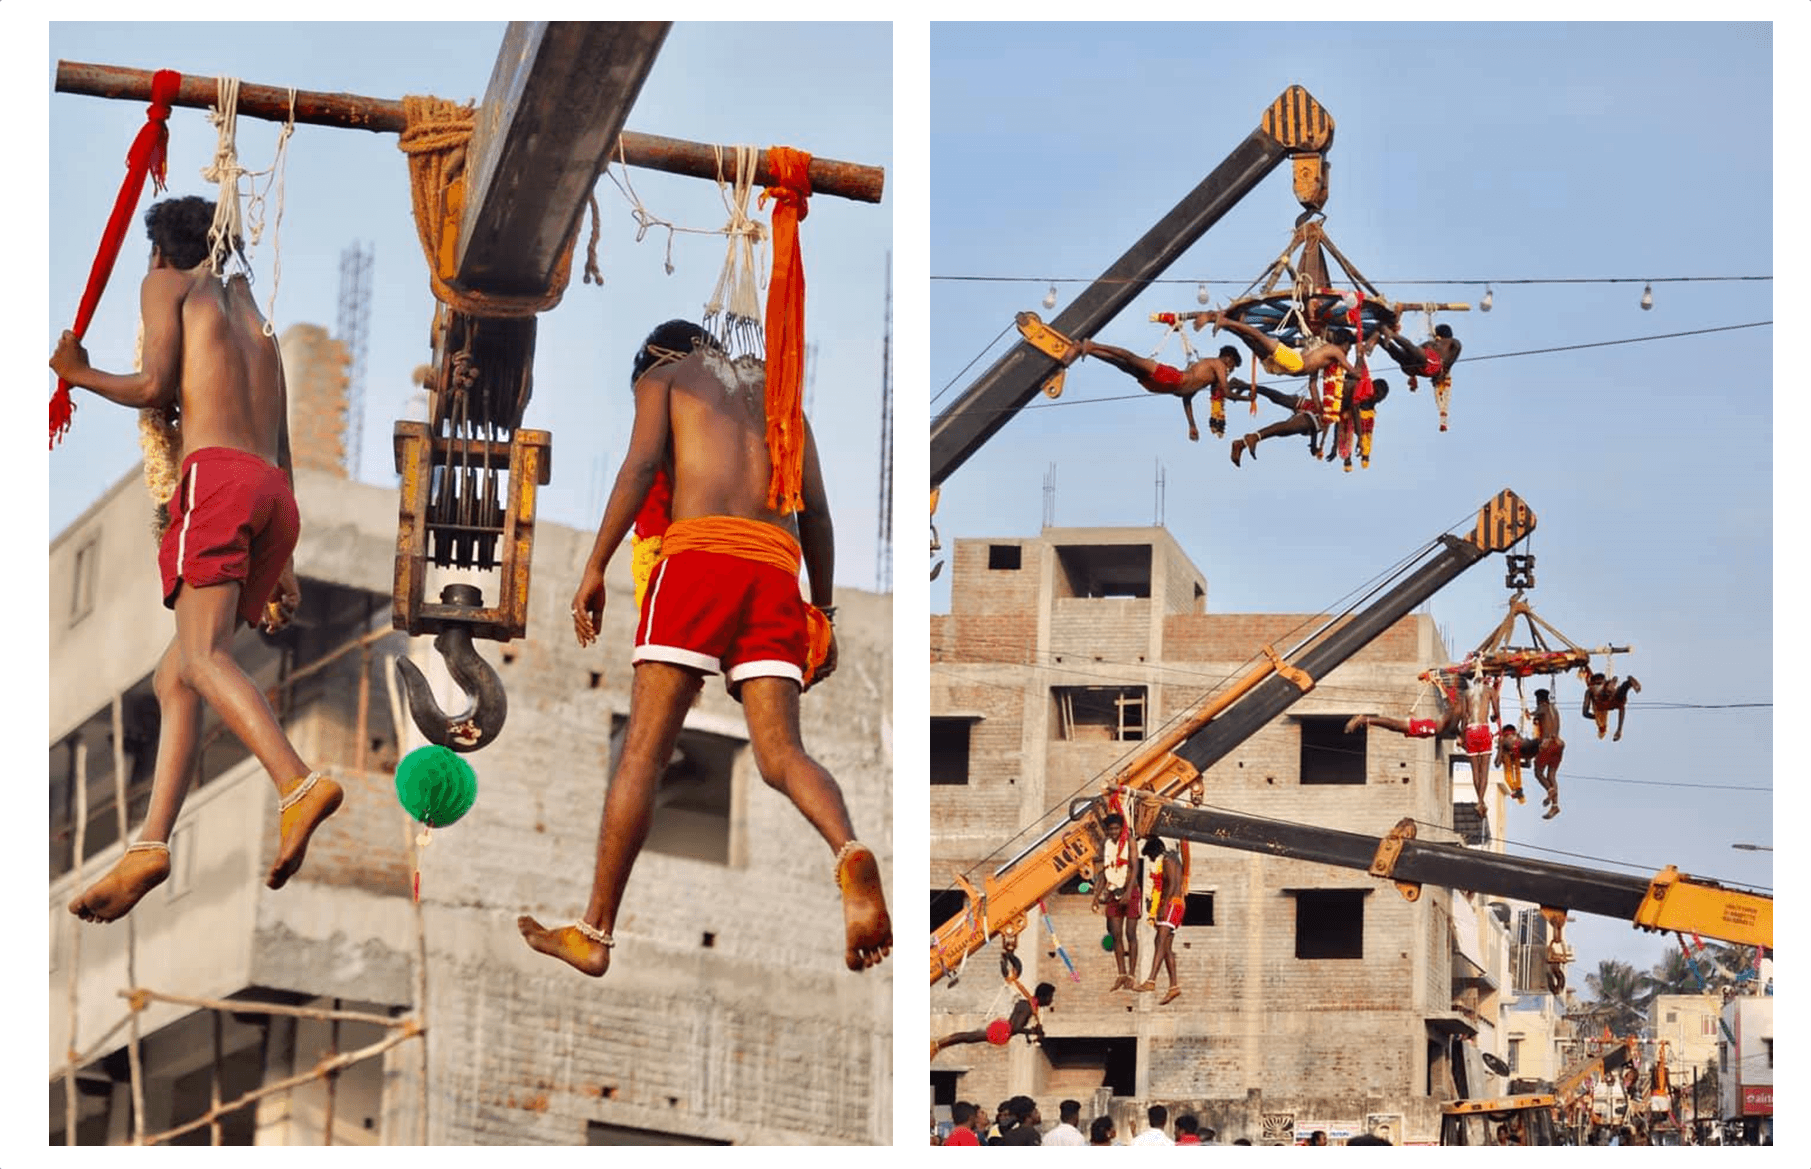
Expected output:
{"points": [[284, 803], [595, 934], [149, 846]]}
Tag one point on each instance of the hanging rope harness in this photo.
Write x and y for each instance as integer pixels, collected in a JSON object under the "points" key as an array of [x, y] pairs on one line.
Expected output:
{"points": [[732, 316], [239, 214], [435, 136], [147, 156]]}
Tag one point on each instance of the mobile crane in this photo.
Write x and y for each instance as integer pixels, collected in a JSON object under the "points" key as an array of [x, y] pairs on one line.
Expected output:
{"points": [[1169, 765]]}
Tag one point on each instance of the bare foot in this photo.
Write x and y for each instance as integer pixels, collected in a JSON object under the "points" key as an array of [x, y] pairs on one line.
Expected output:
{"points": [[112, 897], [1552, 812], [1356, 721], [297, 825], [1145, 987], [868, 931], [1123, 982], [1171, 996], [567, 944]]}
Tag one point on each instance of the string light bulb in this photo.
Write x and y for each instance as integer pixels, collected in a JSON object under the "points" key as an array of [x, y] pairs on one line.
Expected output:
{"points": [[1485, 307], [1647, 297], [1050, 297], [1201, 293]]}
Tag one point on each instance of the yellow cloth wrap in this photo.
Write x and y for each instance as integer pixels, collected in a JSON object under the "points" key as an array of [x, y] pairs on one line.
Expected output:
{"points": [[646, 556], [1284, 360]]}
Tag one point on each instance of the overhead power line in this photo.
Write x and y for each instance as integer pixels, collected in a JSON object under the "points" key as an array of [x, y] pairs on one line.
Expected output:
{"points": [[1479, 283]]}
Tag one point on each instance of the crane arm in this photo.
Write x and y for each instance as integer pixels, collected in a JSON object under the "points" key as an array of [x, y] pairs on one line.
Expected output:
{"points": [[1168, 764]]}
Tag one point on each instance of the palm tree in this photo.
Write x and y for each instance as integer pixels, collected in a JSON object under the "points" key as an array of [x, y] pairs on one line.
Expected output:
{"points": [[1673, 974], [1618, 996]]}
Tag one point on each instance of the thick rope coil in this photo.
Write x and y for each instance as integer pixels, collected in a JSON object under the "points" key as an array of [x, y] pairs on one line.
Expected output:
{"points": [[435, 136]]}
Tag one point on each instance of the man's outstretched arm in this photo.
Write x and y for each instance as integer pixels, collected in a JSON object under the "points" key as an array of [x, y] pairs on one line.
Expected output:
{"points": [[160, 311], [647, 449]]}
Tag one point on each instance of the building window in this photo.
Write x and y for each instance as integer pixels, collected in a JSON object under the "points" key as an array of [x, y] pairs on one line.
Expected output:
{"points": [[1198, 909], [1004, 557], [692, 803], [81, 599], [1329, 923], [1769, 1044], [1098, 713], [1672, 1016], [945, 904], [949, 750], [87, 752], [1329, 755], [1515, 1056], [1103, 570], [1109, 1063], [1709, 1026]]}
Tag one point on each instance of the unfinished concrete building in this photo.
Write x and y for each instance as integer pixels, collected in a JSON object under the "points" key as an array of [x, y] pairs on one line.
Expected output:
{"points": [[1313, 996], [727, 1016]]}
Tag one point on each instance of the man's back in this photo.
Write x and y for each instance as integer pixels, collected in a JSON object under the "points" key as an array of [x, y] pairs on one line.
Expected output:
{"points": [[717, 411], [232, 377]]}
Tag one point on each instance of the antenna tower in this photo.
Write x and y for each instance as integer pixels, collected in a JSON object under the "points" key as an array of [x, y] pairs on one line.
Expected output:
{"points": [[883, 542], [354, 331]]}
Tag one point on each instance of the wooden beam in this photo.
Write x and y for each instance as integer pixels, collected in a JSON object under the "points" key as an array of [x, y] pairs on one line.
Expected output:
{"points": [[346, 111], [555, 105]]}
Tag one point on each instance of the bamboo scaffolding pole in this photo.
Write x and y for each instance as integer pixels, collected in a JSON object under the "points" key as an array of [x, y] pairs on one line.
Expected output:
{"points": [[139, 996], [699, 160], [327, 1066], [125, 837], [215, 1133], [75, 935]]}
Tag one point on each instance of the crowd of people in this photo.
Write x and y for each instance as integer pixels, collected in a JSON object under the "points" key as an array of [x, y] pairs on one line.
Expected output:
{"points": [[1019, 1122]]}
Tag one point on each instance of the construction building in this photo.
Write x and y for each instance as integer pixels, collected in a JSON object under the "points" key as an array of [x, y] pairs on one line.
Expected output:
{"points": [[727, 1016], [1313, 997]]}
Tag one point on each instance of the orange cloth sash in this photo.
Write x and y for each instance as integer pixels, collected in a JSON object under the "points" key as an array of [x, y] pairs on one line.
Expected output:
{"points": [[785, 327], [763, 544]]}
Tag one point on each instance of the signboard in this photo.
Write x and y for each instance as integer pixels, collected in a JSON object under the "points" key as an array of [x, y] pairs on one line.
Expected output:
{"points": [[1757, 1100]]}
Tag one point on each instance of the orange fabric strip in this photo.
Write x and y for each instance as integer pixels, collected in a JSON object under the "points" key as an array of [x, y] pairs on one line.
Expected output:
{"points": [[785, 327], [733, 536]]}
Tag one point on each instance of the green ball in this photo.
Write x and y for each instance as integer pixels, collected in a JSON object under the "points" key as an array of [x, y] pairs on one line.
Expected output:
{"points": [[1084, 887], [435, 785], [1106, 942]]}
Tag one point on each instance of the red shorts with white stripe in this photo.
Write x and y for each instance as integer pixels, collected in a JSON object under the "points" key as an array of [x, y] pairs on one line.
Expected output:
{"points": [[233, 518], [1422, 728], [1478, 739], [715, 612], [1166, 375], [1171, 913]]}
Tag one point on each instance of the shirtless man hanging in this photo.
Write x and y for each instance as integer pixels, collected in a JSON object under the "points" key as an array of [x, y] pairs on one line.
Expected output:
{"points": [[1434, 359], [1025, 1017], [1171, 906], [1549, 752], [1465, 715], [724, 597], [1210, 373], [226, 558], [1602, 695], [1116, 894], [1277, 357]]}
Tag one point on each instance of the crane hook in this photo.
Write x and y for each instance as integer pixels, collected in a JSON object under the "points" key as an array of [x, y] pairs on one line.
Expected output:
{"points": [[479, 723]]}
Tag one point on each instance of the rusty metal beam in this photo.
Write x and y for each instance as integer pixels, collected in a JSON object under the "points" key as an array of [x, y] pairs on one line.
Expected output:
{"points": [[346, 111], [555, 104]]}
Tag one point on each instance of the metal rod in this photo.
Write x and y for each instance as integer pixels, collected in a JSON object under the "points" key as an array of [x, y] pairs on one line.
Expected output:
{"points": [[348, 111]]}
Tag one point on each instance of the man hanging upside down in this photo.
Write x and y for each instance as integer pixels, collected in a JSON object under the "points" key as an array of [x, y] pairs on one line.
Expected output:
{"points": [[1210, 373], [1431, 359], [226, 555], [1602, 695], [1549, 752], [724, 596], [1465, 715]]}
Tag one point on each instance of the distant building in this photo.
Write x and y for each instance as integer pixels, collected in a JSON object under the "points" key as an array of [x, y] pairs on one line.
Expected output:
{"points": [[1313, 996], [727, 1016]]}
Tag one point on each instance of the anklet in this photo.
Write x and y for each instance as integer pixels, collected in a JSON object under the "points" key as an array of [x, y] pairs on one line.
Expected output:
{"points": [[149, 846], [844, 853], [595, 934], [284, 803]]}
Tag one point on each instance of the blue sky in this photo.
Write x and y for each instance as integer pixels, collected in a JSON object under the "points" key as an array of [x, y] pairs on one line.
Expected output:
{"points": [[1462, 152], [346, 186]]}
